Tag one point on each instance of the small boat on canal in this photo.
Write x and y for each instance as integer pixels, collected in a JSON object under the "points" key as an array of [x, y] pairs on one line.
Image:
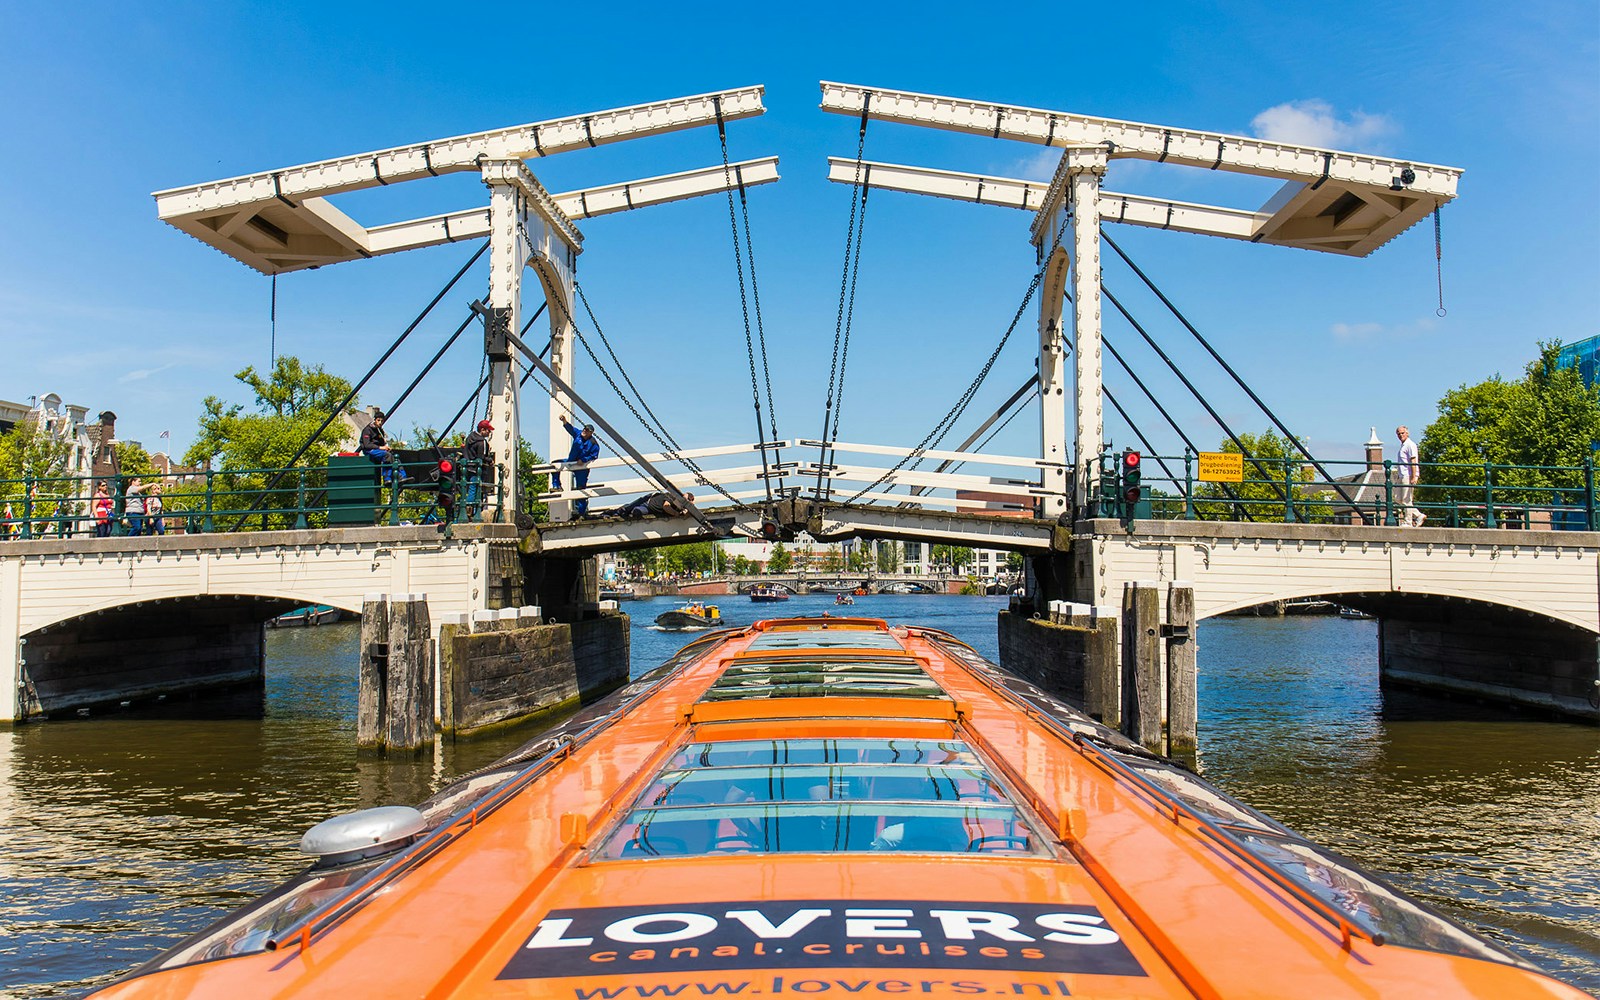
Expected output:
{"points": [[830, 805], [767, 593], [315, 614], [843, 599], [695, 614]]}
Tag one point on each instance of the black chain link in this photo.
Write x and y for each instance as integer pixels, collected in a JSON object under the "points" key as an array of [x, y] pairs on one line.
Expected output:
{"points": [[948, 421], [668, 443], [1438, 258], [852, 251], [744, 305]]}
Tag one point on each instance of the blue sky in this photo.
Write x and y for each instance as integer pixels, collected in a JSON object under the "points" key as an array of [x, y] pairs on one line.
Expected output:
{"points": [[110, 308]]}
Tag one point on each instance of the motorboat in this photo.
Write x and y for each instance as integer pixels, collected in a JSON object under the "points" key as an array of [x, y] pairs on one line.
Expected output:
{"points": [[808, 802], [314, 614], [616, 592], [695, 614], [766, 593]]}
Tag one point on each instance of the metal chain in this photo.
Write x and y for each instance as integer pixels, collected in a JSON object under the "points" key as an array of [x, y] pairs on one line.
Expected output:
{"points": [[668, 443], [948, 421], [671, 450], [744, 305], [1438, 258], [851, 254]]}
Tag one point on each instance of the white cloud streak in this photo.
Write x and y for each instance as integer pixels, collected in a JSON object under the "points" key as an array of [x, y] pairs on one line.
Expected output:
{"points": [[1315, 123]]}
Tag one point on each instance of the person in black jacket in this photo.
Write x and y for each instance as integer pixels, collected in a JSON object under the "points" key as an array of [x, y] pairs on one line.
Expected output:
{"points": [[375, 445], [477, 463], [656, 505]]}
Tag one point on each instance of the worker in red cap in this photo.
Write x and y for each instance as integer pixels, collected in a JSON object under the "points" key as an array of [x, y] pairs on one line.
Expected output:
{"points": [[477, 464]]}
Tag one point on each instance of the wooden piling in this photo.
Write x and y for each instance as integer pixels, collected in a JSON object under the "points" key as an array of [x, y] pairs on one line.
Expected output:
{"points": [[372, 684], [1102, 674], [410, 690], [1143, 703], [1182, 692]]}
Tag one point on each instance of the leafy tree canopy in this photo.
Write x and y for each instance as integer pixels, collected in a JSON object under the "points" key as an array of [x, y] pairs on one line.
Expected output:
{"points": [[780, 560], [1546, 418], [26, 453], [290, 403]]}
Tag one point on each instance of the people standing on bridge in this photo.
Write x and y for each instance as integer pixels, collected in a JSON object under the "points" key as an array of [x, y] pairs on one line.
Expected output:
{"points": [[102, 512], [477, 464], [1408, 472], [155, 524], [133, 506], [375, 445], [585, 449]]}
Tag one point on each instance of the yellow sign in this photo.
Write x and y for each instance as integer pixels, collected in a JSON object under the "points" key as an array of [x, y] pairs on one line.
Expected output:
{"points": [[1221, 467]]}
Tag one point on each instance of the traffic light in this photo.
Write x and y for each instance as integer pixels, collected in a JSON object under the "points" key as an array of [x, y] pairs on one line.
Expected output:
{"points": [[1132, 492], [444, 479]]}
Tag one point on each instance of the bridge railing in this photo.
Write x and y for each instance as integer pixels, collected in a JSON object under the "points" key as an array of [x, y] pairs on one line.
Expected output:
{"points": [[1288, 490], [248, 499]]}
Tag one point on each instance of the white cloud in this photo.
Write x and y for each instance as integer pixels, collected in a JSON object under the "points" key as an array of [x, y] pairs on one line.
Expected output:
{"points": [[1352, 332], [143, 373], [1314, 123], [1037, 166]]}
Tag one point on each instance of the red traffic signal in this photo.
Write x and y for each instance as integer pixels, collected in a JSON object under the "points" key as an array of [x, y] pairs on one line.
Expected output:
{"points": [[1130, 460], [446, 467]]}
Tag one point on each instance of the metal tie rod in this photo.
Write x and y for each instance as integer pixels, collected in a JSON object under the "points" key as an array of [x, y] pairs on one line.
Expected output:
{"points": [[558, 382]]}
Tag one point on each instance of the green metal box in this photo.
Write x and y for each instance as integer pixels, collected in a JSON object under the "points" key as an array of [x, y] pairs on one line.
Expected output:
{"points": [[353, 495]]}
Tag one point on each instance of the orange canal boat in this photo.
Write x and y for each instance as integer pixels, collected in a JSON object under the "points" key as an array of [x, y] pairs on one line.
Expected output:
{"points": [[830, 807]]}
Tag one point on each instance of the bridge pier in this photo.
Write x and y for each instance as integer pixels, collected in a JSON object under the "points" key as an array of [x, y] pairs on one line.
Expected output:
{"points": [[1464, 648], [1133, 671]]}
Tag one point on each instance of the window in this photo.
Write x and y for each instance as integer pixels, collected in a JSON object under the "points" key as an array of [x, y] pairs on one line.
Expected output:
{"points": [[822, 796]]}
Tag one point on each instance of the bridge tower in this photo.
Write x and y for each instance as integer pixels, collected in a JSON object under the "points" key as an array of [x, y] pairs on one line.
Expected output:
{"points": [[281, 220], [1331, 201]]}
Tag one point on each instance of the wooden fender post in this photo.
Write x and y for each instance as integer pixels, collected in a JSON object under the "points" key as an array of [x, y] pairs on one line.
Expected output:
{"points": [[1143, 700], [1182, 648]]}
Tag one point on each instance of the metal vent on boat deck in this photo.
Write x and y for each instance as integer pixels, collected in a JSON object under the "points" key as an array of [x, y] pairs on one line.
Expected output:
{"points": [[364, 833]]}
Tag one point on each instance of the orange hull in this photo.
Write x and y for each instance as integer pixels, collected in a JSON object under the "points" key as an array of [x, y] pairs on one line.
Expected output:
{"points": [[830, 806]]}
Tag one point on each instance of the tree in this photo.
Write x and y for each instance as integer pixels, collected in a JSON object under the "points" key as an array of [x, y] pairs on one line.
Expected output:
{"points": [[888, 557], [25, 453], [1546, 423], [1013, 562], [955, 557], [1270, 461], [290, 403], [780, 561]]}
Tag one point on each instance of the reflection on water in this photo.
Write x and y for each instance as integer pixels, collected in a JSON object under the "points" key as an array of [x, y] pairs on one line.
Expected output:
{"points": [[118, 837]]}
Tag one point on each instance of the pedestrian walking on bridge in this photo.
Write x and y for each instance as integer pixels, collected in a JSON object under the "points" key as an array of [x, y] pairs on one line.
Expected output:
{"points": [[1407, 473]]}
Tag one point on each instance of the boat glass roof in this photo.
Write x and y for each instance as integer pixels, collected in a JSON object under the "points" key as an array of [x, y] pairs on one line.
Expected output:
{"points": [[825, 637], [822, 796]]}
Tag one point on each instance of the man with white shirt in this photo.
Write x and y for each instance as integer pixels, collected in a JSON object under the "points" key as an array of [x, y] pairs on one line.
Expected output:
{"points": [[1407, 474]]}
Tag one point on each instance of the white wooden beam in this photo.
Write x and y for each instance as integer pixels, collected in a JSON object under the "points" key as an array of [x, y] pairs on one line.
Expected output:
{"points": [[1192, 147], [291, 185], [954, 456], [611, 198]]}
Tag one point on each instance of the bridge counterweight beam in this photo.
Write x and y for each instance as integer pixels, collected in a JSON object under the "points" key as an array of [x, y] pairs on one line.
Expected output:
{"points": [[526, 228], [1084, 169], [1052, 389], [508, 255]]}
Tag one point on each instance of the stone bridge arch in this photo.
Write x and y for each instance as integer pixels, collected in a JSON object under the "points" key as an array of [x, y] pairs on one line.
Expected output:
{"points": [[174, 653]]}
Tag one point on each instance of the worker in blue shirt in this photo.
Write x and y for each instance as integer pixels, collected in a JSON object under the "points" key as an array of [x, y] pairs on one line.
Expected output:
{"points": [[585, 449]]}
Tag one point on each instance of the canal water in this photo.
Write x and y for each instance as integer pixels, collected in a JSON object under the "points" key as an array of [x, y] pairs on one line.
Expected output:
{"points": [[120, 836]]}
